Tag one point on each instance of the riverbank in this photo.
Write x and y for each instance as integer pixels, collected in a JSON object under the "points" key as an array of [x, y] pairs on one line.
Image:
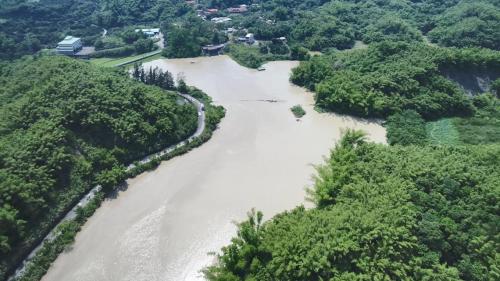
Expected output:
{"points": [[174, 215], [251, 57], [62, 236]]}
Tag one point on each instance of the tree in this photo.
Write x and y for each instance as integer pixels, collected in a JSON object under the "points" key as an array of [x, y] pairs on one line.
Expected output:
{"points": [[130, 36], [143, 46], [406, 128], [299, 53]]}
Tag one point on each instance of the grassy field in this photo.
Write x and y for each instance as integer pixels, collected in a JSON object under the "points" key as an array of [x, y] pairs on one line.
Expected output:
{"points": [[112, 62], [443, 131]]}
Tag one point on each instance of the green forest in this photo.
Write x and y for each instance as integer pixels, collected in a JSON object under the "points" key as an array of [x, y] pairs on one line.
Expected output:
{"points": [[424, 206], [389, 77], [66, 126], [381, 213]]}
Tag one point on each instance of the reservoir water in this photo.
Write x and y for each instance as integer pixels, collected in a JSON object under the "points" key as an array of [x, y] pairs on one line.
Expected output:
{"points": [[163, 225]]}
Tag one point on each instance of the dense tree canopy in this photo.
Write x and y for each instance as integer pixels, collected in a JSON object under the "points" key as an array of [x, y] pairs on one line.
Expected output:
{"points": [[321, 24], [469, 24], [65, 126], [390, 77], [186, 38], [383, 213]]}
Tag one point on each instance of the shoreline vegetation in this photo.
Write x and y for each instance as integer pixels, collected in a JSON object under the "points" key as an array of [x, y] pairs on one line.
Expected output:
{"points": [[41, 262], [389, 212], [110, 177], [250, 56], [422, 208], [298, 111]]}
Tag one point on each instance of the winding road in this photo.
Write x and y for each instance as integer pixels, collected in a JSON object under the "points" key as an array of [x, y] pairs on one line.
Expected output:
{"points": [[93, 192]]}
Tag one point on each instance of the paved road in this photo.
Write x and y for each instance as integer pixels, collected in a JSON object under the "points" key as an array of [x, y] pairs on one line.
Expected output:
{"points": [[199, 131], [92, 193]]}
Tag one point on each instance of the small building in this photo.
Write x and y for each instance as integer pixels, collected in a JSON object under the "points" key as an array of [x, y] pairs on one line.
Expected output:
{"points": [[250, 38], [213, 50], [69, 46], [149, 32]]}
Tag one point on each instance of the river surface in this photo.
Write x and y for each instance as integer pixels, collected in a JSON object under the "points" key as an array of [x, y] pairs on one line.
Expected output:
{"points": [[167, 220]]}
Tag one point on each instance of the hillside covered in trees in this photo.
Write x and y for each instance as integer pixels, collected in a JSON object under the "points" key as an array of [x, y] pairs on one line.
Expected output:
{"points": [[318, 25], [66, 126], [382, 213], [321, 25], [389, 77]]}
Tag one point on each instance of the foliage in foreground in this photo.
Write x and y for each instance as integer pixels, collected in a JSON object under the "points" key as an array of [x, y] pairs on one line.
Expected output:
{"points": [[382, 213], [64, 126]]}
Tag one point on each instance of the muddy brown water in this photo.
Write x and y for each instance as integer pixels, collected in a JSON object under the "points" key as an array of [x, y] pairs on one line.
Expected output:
{"points": [[167, 220]]}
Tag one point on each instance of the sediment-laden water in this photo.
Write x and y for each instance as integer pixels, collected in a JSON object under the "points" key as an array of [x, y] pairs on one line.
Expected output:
{"points": [[162, 227]]}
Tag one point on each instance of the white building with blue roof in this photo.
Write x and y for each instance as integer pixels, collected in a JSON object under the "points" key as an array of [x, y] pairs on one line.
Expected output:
{"points": [[69, 46]]}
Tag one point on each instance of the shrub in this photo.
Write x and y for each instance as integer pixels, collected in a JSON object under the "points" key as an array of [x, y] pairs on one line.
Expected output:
{"points": [[298, 111]]}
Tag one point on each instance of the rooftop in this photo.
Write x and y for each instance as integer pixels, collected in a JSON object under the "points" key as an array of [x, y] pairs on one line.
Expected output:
{"points": [[69, 40]]}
